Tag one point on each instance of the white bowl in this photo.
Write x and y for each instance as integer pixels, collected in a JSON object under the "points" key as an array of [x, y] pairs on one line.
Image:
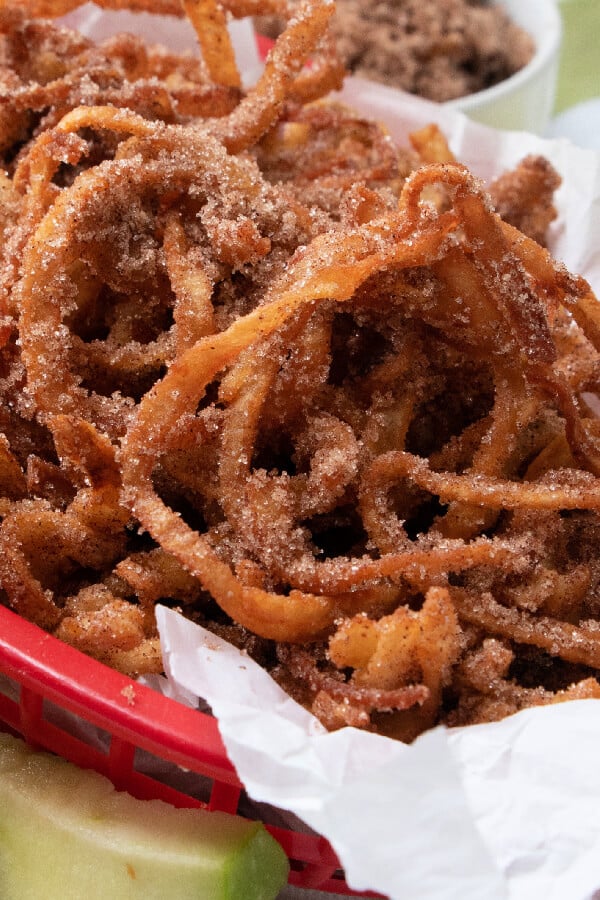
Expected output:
{"points": [[523, 102]]}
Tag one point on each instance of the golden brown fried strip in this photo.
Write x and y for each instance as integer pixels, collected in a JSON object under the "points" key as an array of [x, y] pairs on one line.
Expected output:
{"points": [[574, 643], [568, 489], [55, 8], [208, 19], [261, 107]]}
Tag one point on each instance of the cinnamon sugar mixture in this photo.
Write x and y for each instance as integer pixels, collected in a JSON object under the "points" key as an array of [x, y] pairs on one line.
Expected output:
{"points": [[438, 49]]}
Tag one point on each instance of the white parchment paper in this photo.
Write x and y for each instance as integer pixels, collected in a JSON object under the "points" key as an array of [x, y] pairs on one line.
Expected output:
{"points": [[488, 152], [507, 811]]}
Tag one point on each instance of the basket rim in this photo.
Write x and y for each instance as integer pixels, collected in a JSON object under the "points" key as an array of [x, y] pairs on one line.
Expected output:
{"points": [[111, 700], [137, 716]]}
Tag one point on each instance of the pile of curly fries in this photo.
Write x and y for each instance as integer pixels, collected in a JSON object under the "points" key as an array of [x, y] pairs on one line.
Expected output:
{"points": [[329, 397]]}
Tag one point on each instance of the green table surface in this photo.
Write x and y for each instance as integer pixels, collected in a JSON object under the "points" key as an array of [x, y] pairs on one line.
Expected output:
{"points": [[579, 72]]}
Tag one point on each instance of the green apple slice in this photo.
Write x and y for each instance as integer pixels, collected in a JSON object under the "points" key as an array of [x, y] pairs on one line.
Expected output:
{"points": [[67, 834]]}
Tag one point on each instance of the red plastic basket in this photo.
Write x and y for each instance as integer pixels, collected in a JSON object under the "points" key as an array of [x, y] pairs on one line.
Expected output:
{"points": [[50, 688]]}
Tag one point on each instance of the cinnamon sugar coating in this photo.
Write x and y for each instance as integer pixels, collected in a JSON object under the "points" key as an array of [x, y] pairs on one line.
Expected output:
{"points": [[328, 396]]}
